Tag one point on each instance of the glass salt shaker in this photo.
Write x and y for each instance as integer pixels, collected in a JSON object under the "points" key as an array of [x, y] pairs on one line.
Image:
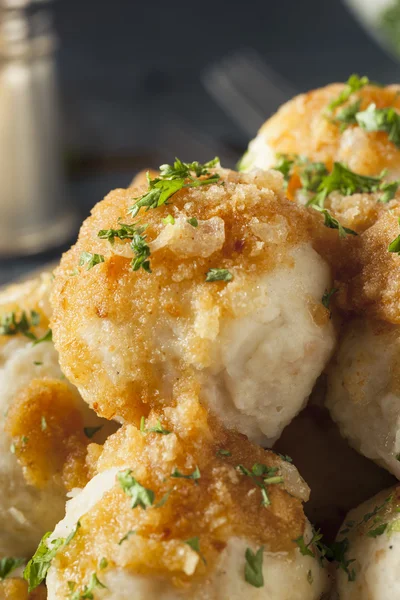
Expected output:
{"points": [[34, 212]]}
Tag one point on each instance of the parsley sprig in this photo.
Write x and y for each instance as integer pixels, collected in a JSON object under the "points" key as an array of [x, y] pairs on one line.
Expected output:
{"points": [[353, 84], [262, 476], [10, 324], [36, 570], [9, 564], [253, 572], [173, 178], [140, 495], [381, 119]]}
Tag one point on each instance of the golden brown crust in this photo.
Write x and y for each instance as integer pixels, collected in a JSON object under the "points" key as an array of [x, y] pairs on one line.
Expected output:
{"points": [[221, 504], [17, 589], [303, 126], [131, 311], [46, 428], [368, 275]]}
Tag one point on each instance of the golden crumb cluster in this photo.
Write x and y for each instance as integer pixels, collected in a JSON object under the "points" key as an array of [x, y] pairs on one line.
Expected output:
{"points": [[113, 327], [305, 126], [199, 493]]}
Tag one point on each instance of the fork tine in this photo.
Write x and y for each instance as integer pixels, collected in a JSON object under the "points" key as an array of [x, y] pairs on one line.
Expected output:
{"points": [[246, 88], [220, 87]]}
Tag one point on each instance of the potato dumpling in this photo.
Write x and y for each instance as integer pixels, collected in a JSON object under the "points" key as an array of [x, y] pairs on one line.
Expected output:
{"points": [[231, 311], [363, 390], [171, 515], [328, 130], [42, 420], [306, 125], [370, 540]]}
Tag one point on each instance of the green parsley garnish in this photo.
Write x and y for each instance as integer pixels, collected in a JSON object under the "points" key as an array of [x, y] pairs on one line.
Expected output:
{"points": [[91, 431], [169, 220], [194, 543], [262, 476], [11, 325], [158, 428], [193, 222], [140, 495], [90, 260], [285, 457], [381, 119], [310, 578], [353, 84], [133, 232], [377, 531], [333, 223], [347, 115], [219, 275], [394, 246], [37, 363], [173, 178], [9, 564], [126, 536], [36, 570], [195, 475], [253, 573], [103, 564], [326, 298], [87, 593], [285, 165], [222, 452]]}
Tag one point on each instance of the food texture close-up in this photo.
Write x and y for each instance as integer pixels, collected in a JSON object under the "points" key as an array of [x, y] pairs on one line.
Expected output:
{"points": [[199, 301]]}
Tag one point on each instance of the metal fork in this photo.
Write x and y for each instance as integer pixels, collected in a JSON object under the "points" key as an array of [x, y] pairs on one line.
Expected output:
{"points": [[246, 88]]}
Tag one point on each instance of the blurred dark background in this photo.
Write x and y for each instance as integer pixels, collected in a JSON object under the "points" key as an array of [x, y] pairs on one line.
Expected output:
{"points": [[131, 80]]}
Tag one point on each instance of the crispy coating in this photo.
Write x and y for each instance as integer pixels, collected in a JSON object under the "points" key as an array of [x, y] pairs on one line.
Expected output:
{"points": [[46, 427], [17, 589], [368, 275], [131, 341], [220, 505], [304, 126]]}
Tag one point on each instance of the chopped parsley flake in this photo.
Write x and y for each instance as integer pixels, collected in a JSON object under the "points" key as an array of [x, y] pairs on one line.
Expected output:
{"points": [[332, 223], [262, 476], [11, 325], [310, 578], [253, 573], [219, 275], [158, 428], [90, 260], [353, 84], [222, 452], [9, 564], [36, 570], [326, 298], [133, 232], [140, 495], [173, 178], [285, 457], [381, 119], [373, 533], [91, 431], [87, 593], [193, 222], [37, 363], [126, 536], [195, 475], [347, 115], [169, 220], [194, 543], [103, 564], [394, 246]]}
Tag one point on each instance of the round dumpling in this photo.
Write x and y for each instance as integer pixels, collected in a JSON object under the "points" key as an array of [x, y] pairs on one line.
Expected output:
{"points": [[40, 414], [201, 514], [370, 544], [231, 311], [363, 390], [311, 126]]}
